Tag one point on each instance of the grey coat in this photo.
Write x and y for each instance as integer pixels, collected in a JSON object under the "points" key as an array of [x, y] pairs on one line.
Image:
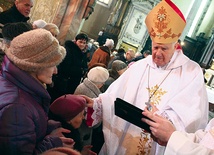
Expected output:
{"points": [[91, 90], [87, 88]]}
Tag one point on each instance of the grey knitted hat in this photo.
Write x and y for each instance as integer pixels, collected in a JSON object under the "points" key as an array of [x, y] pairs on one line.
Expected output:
{"points": [[35, 50]]}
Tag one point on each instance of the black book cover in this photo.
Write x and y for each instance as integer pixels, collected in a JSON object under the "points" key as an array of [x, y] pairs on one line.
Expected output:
{"points": [[130, 113]]}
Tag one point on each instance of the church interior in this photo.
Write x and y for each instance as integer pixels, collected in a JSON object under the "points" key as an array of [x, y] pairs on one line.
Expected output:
{"points": [[123, 21]]}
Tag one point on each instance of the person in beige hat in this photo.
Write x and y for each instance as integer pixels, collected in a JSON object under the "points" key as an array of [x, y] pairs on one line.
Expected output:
{"points": [[28, 66], [40, 23], [90, 87], [166, 79]]}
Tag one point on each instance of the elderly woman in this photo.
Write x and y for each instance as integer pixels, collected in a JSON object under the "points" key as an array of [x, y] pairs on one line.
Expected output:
{"points": [[90, 87], [26, 69]]}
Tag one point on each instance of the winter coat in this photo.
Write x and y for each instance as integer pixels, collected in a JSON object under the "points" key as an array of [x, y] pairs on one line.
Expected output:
{"points": [[74, 134], [101, 55], [70, 71], [75, 62], [87, 88], [12, 15], [24, 104]]}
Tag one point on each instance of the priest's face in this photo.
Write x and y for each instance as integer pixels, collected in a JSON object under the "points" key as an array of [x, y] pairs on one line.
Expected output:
{"points": [[162, 53]]}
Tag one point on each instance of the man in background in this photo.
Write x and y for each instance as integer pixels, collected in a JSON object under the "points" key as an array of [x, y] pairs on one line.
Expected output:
{"points": [[19, 12]]}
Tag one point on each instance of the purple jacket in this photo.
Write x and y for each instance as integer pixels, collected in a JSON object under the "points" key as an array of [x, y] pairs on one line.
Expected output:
{"points": [[24, 104]]}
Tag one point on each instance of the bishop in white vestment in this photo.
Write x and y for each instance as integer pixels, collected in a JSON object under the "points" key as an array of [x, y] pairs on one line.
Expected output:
{"points": [[167, 79]]}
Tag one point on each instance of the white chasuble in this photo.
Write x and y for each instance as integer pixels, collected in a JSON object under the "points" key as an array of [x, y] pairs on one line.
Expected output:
{"points": [[178, 91]]}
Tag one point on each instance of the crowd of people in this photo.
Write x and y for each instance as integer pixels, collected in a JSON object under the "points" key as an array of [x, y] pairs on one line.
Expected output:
{"points": [[60, 99]]}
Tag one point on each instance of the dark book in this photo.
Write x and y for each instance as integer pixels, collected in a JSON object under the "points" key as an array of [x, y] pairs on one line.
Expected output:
{"points": [[130, 113]]}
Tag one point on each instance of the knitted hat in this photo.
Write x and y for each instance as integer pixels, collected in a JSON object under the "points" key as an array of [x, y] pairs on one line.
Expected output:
{"points": [[40, 23], [68, 106], [35, 50], [165, 22], [98, 74]]}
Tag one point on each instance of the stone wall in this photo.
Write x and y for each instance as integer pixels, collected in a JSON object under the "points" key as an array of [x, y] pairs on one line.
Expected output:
{"points": [[66, 14]]}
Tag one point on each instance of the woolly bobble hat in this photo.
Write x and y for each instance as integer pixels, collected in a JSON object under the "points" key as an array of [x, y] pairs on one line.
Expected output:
{"points": [[68, 106], [35, 50], [98, 74], [40, 23]]}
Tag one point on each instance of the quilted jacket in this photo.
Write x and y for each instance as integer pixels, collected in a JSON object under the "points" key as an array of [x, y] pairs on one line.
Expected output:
{"points": [[24, 105]]}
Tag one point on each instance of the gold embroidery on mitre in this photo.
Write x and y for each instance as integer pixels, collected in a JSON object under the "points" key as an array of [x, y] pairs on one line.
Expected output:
{"points": [[162, 22]]}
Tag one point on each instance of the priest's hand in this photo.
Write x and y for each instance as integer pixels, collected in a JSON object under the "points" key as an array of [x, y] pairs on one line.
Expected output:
{"points": [[90, 101], [160, 127]]}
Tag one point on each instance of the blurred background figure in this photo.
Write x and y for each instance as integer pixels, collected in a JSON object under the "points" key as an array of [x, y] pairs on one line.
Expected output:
{"points": [[126, 57], [19, 12], [102, 54], [39, 24], [117, 69], [146, 53], [72, 69], [92, 47], [10, 31], [1, 10], [101, 37]]}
